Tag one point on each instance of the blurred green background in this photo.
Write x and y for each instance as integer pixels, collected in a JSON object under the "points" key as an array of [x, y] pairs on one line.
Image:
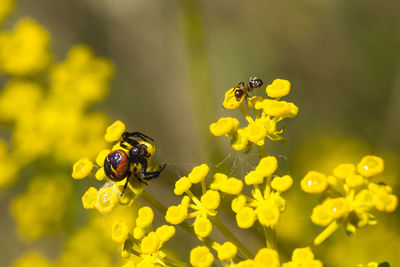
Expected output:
{"points": [[175, 59]]}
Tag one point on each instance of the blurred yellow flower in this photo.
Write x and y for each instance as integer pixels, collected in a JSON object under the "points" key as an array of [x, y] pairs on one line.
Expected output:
{"points": [[24, 50]]}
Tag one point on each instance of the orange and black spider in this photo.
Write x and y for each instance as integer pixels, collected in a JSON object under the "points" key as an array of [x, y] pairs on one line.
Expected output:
{"points": [[117, 164]]}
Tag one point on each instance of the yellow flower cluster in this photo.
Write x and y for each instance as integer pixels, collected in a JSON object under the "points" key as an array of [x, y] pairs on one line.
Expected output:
{"points": [[147, 244], [42, 209], [267, 113], [32, 258], [90, 245], [47, 107], [349, 196], [54, 121], [203, 208], [25, 50], [264, 205], [201, 256]]}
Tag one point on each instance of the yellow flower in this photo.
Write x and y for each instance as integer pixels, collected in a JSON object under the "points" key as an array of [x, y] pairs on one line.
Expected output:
{"points": [[100, 174], [268, 213], [344, 170], [303, 257], [354, 180], [338, 207], [165, 232], [365, 198], [120, 231], [107, 199], [385, 202], [370, 166], [282, 184], [293, 110], [302, 254], [253, 177], [210, 200], [276, 108], [32, 258], [253, 101], [201, 257], [114, 131], [176, 214], [239, 140], [218, 181], [150, 243], [226, 251], [138, 233], [321, 215], [230, 101], [82, 168], [202, 227], [256, 132], [224, 126], [314, 182], [198, 173], [145, 217], [102, 156], [81, 79], [182, 185], [232, 186], [89, 199], [245, 217], [42, 208], [267, 166], [238, 203], [19, 99], [278, 88], [267, 257]]}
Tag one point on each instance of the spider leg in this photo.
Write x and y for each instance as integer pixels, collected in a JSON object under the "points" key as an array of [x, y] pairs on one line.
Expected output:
{"points": [[129, 141], [126, 183], [127, 136], [121, 144], [128, 175], [150, 175]]}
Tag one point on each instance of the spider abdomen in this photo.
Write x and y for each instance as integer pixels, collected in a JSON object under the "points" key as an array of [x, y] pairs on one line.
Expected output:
{"points": [[116, 165]]}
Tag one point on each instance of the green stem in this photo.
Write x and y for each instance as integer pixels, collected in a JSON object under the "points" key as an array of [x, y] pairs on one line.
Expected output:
{"points": [[262, 151], [270, 237], [245, 114], [171, 261], [199, 74], [149, 199], [224, 230], [326, 233]]}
